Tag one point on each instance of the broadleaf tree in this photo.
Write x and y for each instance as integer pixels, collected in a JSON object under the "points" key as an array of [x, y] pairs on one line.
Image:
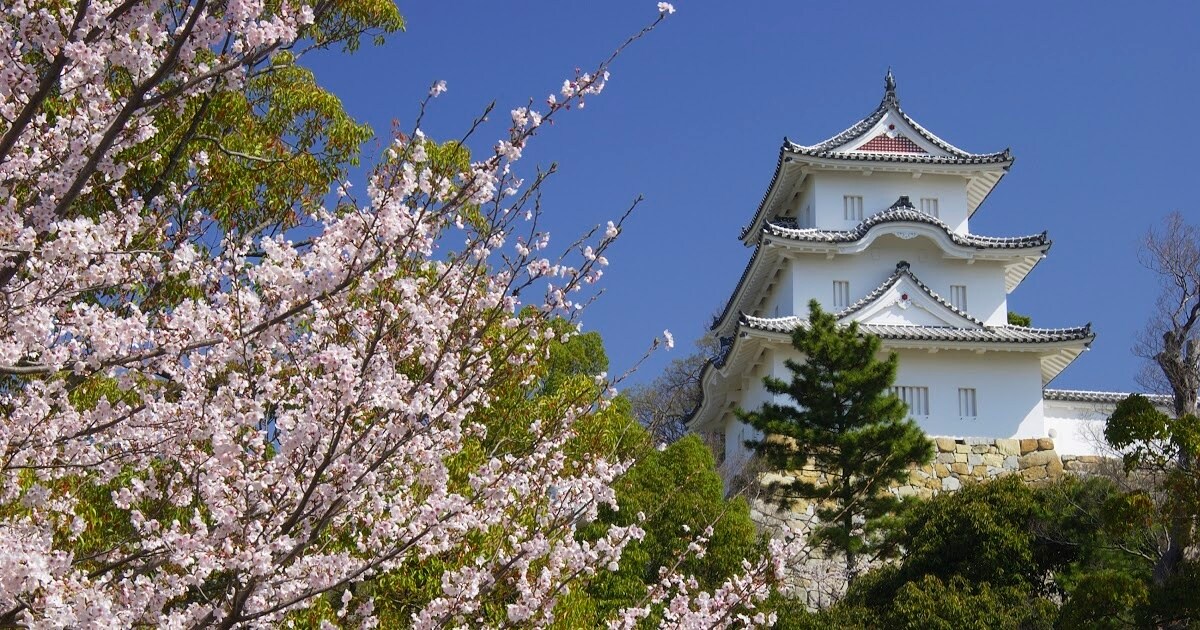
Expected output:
{"points": [[843, 422]]}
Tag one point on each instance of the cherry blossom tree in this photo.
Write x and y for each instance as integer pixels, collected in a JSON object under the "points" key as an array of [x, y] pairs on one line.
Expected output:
{"points": [[213, 423]]}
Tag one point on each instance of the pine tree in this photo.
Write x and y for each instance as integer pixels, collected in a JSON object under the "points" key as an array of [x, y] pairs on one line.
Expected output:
{"points": [[845, 424]]}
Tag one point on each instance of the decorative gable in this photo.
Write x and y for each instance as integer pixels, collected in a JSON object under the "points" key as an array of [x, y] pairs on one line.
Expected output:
{"points": [[903, 300], [883, 143]]}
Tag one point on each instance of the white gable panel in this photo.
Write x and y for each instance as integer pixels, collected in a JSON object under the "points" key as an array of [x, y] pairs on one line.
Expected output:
{"points": [[907, 303]]}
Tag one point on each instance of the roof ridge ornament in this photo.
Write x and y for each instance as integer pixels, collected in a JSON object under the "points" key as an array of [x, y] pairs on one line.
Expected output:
{"points": [[889, 88], [902, 202]]}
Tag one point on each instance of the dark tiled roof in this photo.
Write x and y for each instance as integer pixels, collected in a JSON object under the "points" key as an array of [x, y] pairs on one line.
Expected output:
{"points": [[1077, 395], [891, 101], [897, 214], [758, 248], [903, 271], [826, 149], [986, 334]]}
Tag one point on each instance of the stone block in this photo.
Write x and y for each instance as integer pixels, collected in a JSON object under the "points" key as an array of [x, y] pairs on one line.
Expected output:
{"points": [[1012, 462], [1034, 473], [980, 471], [976, 441], [1054, 469], [993, 459], [1039, 458], [940, 470], [994, 471], [1008, 447], [962, 448], [1028, 446], [960, 468], [944, 445], [1045, 444], [960, 458], [974, 459], [950, 484], [945, 458], [906, 491], [982, 448], [1089, 459]]}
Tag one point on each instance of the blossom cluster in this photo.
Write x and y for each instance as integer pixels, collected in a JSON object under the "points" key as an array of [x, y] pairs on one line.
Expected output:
{"points": [[218, 428]]}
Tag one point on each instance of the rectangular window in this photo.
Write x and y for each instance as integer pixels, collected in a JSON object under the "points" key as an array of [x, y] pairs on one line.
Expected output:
{"points": [[917, 399], [841, 293], [852, 204], [958, 296], [966, 402], [929, 205]]}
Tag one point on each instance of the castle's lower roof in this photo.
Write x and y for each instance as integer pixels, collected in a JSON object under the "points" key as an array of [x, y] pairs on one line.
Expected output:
{"points": [[985, 334], [1104, 398]]}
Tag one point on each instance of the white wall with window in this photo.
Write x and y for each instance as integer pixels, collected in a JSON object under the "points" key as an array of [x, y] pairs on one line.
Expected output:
{"points": [[929, 205], [916, 398], [1008, 382], [967, 409], [880, 191], [813, 277], [958, 297], [852, 208], [841, 294]]}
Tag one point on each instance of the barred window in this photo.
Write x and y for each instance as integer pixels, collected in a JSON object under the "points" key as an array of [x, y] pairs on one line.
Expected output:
{"points": [[966, 402], [841, 294], [929, 205], [917, 399], [958, 296], [853, 206]]}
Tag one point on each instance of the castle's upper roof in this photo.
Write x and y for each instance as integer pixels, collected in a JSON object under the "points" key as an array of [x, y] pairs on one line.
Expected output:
{"points": [[887, 139], [889, 135]]}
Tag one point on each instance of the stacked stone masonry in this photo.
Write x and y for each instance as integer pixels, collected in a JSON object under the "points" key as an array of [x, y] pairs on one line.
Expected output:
{"points": [[957, 462]]}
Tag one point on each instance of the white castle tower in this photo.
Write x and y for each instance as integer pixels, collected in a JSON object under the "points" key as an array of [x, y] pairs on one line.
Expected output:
{"points": [[874, 224]]}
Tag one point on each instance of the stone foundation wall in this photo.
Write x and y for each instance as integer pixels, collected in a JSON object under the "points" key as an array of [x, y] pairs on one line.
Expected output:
{"points": [[957, 462]]}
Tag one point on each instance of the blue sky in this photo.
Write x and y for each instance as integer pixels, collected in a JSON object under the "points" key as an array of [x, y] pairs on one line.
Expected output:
{"points": [[1096, 101]]}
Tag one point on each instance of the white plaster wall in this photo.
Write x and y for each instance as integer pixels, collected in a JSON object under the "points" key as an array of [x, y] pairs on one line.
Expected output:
{"points": [[782, 298], [880, 190], [1077, 428], [1008, 390], [796, 207], [753, 395], [813, 275]]}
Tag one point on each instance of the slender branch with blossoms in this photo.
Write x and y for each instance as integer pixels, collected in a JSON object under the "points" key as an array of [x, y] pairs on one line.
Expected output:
{"points": [[208, 428]]}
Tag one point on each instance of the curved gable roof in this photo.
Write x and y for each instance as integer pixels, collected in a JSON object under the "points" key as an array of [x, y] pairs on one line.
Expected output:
{"points": [[901, 212]]}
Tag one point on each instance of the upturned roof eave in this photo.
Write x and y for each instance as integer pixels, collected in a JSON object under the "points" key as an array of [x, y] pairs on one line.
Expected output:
{"points": [[766, 242]]}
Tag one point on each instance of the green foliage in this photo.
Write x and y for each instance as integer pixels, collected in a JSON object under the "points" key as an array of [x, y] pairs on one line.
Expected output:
{"points": [[1001, 554], [1175, 603], [1149, 437], [959, 604], [981, 533], [1104, 599], [844, 423], [1017, 319]]}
